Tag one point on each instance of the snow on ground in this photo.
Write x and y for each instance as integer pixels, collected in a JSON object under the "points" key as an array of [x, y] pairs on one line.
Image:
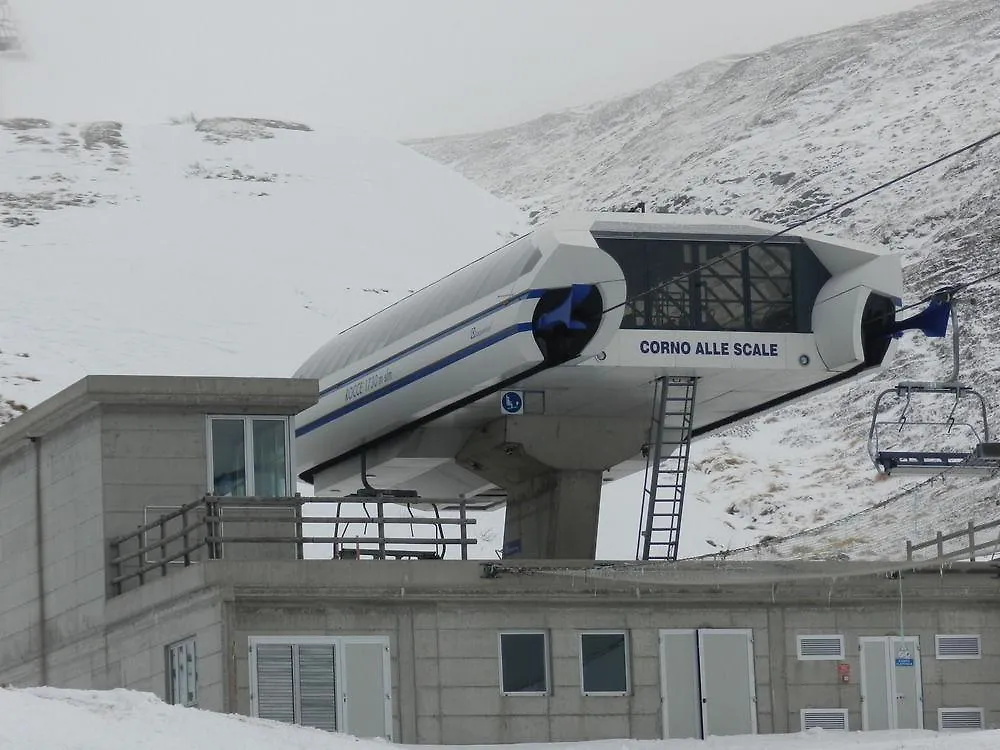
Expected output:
{"points": [[55, 719]]}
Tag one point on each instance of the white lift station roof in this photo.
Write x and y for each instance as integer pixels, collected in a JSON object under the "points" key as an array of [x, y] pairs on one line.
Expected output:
{"points": [[544, 353]]}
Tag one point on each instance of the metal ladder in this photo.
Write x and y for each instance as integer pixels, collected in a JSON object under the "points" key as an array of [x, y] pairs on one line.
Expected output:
{"points": [[666, 468]]}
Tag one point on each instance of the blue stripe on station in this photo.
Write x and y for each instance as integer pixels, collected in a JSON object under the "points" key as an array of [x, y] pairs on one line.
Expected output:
{"points": [[530, 294], [414, 376]]}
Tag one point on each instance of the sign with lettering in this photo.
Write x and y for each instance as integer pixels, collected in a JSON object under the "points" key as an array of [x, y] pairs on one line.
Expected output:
{"points": [[706, 348]]}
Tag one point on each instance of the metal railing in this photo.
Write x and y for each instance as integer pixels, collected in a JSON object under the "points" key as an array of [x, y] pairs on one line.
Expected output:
{"points": [[206, 528], [967, 552]]}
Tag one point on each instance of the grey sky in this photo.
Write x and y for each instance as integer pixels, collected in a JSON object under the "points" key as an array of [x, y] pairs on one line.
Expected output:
{"points": [[395, 68]]}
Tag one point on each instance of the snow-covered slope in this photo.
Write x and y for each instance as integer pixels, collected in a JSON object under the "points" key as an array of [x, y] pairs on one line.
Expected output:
{"points": [[777, 136], [51, 719], [227, 246]]}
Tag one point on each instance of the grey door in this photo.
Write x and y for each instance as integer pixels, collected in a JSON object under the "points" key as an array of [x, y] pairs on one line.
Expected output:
{"points": [[367, 706], [891, 686], [728, 692], [707, 683], [680, 684]]}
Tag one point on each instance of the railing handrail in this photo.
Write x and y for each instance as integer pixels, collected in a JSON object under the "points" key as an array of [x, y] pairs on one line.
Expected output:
{"points": [[179, 511], [336, 540], [968, 532], [206, 516]]}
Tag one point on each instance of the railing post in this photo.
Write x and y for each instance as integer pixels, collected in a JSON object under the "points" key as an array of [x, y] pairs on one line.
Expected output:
{"points": [[163, 547], [141, 541], [972, 541], [463, 545], [300, 547], [116, 549], [381, 528], [186, 540], [940, 544], [211, 529]]}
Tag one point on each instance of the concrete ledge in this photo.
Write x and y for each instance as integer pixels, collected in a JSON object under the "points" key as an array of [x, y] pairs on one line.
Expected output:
{"points": [[554, 581], [181, 393]]}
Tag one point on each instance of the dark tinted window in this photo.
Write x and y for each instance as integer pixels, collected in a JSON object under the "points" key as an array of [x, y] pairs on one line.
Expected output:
{"points": [[523, 663], [723, 286], [605, 663]]}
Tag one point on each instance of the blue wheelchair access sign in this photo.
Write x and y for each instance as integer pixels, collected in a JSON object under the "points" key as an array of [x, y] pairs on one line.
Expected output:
{"points": [[511, 402]]}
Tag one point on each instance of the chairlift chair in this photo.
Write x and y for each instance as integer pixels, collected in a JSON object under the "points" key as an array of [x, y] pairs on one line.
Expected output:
{"points": [[978, 454], [11, 45]]}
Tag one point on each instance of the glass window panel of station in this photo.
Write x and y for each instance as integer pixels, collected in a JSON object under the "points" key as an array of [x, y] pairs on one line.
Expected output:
{"points": [[769, 273], [631, 258], [604, 663], [668, 303], [722, 300], [523, 664]]}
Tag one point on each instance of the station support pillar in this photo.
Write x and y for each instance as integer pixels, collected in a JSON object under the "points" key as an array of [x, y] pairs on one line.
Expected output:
{"points": [[554, 516]]}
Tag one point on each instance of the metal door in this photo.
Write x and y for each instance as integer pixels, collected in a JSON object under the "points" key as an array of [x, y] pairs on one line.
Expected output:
{"points": [[728, 686], [367, 700], [891, 686], [680, 684]]}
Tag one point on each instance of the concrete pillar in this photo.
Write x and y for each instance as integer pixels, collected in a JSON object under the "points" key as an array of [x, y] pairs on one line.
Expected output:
{"points": [[554, 516]]}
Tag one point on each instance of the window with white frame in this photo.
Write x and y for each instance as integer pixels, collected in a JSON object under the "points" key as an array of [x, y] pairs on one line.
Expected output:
{"points": [[182, 673], [604, 663], [249, 456], [524, 663]]}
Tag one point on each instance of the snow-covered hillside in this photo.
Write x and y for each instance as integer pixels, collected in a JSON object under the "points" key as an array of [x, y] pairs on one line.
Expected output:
{"points": [[51, 719], [226, 246], [777, 136]]}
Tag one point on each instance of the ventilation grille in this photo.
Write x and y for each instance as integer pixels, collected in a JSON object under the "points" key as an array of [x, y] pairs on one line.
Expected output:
{"points": [[957, 719], [958, 646], [830, 719], [815, 647]]}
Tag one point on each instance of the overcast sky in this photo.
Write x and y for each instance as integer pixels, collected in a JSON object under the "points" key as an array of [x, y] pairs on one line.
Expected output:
{"points": [[396, 68]]}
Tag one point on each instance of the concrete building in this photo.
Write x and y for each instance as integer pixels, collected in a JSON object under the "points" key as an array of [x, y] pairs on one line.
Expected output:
{"points": [[150, 539]]}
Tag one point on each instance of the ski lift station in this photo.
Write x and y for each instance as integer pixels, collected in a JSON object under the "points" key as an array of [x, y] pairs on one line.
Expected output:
{"points": [[151, 535], [592, 348]]}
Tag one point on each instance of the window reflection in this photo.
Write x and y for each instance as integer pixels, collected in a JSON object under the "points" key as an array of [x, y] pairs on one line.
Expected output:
{"points": [[270, 467], [715, 286], [249, 456], [720, 285], [229, 468]]}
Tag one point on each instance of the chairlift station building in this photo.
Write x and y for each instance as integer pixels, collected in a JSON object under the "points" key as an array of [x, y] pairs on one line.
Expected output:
{"points": [[151, 538]]}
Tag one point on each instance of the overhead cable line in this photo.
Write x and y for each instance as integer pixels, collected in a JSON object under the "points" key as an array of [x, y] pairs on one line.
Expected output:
{"points": [[825, 212]]}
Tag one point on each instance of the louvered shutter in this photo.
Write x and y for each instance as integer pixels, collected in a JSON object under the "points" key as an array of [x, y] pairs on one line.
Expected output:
{"points": [[958, 646], [957, 719], [820, 647], [318, 686], [275, 682], [829, 719]]}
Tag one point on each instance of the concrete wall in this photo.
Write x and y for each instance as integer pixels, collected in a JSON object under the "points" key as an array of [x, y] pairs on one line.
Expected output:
{"points": [[151, 458], [443, 632], [143, 624], [445, 664], [93, 458], [72, 554]]}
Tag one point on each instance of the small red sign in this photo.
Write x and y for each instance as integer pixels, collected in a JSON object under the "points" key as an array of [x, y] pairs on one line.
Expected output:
{"points": [[844, 672]]}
